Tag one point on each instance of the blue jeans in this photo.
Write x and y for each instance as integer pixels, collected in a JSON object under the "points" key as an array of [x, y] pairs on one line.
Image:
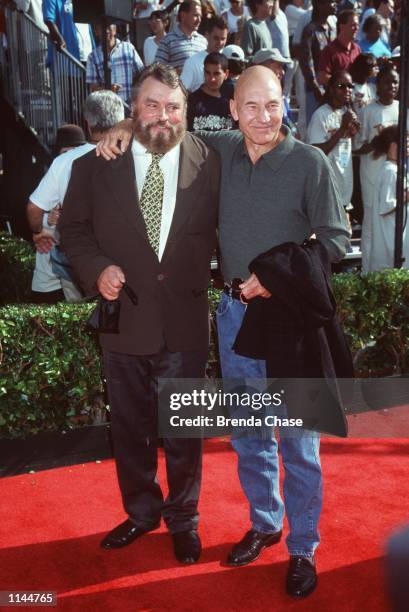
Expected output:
{"points": [[258, 458]]}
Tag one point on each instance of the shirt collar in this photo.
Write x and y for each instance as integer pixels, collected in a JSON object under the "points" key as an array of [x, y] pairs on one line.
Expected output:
{"points": [[276, 156], [117, 43], [341, 47], [139, 149], [181, 34]]}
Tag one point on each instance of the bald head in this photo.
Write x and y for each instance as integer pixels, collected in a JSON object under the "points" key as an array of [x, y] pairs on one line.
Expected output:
{"points": [[257, 77], [258, 107]]}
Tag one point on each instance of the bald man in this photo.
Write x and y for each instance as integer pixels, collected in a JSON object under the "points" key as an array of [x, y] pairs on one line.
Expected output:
{"points": [[274, 189]]}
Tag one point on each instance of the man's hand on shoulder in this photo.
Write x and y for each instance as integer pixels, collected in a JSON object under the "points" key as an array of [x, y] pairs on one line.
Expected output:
{"points": [[252, 288], [110, 282], [120, 134]]}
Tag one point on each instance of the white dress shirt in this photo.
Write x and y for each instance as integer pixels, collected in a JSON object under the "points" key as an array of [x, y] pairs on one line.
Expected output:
{"points": [[169, 165]]}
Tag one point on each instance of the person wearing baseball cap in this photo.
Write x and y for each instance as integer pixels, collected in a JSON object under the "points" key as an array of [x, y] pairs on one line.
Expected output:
{"points": [[272, 58], [234, 52], [237, 63]]}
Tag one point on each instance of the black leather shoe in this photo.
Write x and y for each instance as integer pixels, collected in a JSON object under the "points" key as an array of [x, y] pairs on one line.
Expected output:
{"points": [[302, 576], [124, 534], [187, 546], [250, 547]]}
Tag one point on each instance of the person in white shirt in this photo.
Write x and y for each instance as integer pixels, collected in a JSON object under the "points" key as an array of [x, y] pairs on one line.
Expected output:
{"points": [[361, 70], [34, 9], [221, 6], [383, 219], [331, 129], [141, 26], [85, 40], [192, 75], [294, 11], [102, 110], [235, 17], [159, 23], [374, 118]]}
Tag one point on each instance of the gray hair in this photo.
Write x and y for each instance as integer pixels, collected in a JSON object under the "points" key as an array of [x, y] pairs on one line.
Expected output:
{"points": [[102, 110]]}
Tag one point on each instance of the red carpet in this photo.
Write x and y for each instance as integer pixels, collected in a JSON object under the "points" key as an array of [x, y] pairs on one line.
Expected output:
{"points": [[51, 524]]}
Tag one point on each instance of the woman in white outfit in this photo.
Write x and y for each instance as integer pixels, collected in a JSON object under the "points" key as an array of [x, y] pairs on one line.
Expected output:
{"points": [[374, 118], [382, 253]]}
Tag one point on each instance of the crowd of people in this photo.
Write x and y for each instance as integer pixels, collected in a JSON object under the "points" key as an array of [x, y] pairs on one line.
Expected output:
{"points": [[337, 63]]}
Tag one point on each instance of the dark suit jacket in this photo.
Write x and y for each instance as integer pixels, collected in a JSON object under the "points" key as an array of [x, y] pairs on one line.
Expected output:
{"points": [[102, 224], [297, 332]]}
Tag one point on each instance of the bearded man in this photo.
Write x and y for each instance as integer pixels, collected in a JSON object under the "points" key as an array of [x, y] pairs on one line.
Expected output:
{"points": [[149, 219]]}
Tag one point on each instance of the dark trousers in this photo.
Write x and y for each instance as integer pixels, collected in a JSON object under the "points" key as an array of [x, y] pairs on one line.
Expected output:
{"points": [[132, 390], [47, 297]]}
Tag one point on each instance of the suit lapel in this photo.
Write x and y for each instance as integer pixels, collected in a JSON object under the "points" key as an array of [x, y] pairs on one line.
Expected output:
{"points": [[119, 176], [190, 161]]}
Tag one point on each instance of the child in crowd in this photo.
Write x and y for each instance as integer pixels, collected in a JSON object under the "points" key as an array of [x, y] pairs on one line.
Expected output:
{"points": [[383, 211], [362, 69], [374, 118]]}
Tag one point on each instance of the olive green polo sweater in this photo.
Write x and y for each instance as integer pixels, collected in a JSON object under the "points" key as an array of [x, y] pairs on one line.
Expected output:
{"points": [[288, 195]]}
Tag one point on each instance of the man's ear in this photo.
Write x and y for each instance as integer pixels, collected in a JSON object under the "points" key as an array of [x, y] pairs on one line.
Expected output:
{"points": [[233, 109], [226, 74]]}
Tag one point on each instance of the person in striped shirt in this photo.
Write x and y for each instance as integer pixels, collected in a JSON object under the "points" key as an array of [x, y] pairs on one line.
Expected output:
{"points": [[184, 41]]}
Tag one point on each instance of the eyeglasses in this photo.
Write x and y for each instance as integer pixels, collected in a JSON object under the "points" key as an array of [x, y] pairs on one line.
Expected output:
{"points": [[344, 86]]}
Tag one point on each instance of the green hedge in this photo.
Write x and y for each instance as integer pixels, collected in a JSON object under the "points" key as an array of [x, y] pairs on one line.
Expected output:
{"points": [[50, 372], [17, 260], [374, 311]]}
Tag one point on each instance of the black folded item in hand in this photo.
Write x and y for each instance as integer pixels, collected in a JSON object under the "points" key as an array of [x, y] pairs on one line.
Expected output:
{"points": [[104, 318]]}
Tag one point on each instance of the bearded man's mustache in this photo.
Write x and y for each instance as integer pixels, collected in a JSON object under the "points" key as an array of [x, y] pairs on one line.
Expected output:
{"points": [[161, 142]]}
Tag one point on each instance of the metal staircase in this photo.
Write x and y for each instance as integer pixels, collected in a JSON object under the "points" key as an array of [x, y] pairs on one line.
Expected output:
{"points": [[45, 87]]}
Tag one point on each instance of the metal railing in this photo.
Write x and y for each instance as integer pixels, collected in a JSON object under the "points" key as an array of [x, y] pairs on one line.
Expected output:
{"points": [[46, 87]]}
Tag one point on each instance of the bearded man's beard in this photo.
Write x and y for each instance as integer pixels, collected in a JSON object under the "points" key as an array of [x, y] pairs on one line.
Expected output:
{"points": [[162, 142]]}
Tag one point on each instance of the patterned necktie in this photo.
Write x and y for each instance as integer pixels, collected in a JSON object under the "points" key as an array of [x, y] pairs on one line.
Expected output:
{"points": [[151, 201]]}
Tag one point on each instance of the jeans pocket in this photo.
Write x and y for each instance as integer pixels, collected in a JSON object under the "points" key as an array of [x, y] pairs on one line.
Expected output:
{"points": [[224, 305]]}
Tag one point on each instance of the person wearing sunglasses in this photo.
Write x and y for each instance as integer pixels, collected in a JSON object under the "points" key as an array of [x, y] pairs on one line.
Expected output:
{"points": [[331, 129]]}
